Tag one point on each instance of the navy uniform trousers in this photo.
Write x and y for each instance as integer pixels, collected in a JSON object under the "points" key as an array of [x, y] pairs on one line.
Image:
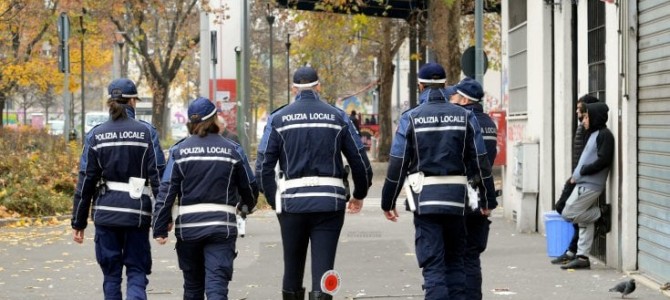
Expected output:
{"points": [[477, 237], [116, 247], [207, 265], [440, 243], [297, 230]]}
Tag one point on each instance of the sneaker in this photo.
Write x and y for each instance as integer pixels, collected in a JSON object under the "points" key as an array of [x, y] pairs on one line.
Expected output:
{"points": [[563, 259], [606, 218], [604, 223], [577, 263]]}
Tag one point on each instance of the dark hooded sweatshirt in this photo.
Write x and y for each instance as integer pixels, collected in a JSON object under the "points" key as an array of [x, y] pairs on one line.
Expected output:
{"points": [[596, 159]]}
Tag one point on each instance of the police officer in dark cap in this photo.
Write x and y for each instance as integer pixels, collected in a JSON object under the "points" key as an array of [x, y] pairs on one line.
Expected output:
{"points": [[469, 94], [433, 144], [207, 173], [307, 138], [120, 166]]}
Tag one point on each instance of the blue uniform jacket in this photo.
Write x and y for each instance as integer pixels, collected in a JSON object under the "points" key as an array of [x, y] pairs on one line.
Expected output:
{"points": [[439, 139], [115, 151], [205, 173], [490, 136], [308, 138], [160, 157]]}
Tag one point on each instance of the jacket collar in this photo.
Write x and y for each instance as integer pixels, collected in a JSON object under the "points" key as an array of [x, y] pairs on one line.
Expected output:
{"points": [[307, 95], [476, 107]]}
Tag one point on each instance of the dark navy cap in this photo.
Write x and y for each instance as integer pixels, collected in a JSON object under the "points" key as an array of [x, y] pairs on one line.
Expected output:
{"points": [[471, 89], [432, 73], [200, 110], [122, 88], [449, 91], [305, 77]]}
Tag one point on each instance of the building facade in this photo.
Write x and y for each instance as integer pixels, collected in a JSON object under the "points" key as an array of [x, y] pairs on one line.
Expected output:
{"points": [[555, 51]]}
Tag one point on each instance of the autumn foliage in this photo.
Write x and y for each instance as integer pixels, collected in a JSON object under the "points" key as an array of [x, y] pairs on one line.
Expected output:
{"points": [[38, 173]]}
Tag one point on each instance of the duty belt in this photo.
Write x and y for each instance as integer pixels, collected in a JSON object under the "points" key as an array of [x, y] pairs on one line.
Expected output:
{"points": [[125, 187], [283, 185], [415, 182], [205, 207]]}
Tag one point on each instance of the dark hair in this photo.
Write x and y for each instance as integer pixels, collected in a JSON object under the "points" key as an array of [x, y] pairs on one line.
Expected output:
{"points": [[116, 108], [203, 128], [433, 85], [586, 99]]}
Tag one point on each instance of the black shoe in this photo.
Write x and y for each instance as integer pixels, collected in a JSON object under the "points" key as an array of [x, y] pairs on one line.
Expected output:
{"points": [[298, 295], [316, 295], [563, 259], [578, 263], [604, 223]]}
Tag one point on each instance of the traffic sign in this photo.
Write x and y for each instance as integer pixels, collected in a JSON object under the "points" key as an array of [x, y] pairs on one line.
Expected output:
{"points": [[330, 282], [468, 62]]}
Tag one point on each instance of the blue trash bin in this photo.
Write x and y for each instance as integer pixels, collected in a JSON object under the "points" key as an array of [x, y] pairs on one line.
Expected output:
{"points": [[559, 233]]}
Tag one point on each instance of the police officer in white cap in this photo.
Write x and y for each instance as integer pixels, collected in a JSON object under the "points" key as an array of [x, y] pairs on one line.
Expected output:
{"points": [[433, 144], [469, 94], [211, 177], [308, 138], [120, 167]]}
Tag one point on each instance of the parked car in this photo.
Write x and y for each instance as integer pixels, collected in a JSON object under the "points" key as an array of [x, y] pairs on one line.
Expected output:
{"points": [[55, 127], [94, 118]]}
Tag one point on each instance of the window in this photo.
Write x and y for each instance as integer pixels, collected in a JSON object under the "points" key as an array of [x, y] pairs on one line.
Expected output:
{"points": [[596, 48], [518, 51]]}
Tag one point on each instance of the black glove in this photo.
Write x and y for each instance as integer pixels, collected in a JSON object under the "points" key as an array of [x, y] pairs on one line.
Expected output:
{"points": [[244, 211]]}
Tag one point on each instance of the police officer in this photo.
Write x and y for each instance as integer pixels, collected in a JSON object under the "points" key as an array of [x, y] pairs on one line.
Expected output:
{"points": [[469, 94], [207, 172], [307, 138], [120, 167], [433, 144]]}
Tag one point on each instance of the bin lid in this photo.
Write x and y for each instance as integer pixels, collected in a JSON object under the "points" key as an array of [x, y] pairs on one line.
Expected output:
{"points": [[552, 215]]}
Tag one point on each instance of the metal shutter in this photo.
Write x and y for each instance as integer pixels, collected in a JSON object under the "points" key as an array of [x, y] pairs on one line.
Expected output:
{"points": [[654, 139]]}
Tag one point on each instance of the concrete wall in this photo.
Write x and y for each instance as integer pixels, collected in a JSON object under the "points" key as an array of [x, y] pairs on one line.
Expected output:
{"points": [[229, 37]]}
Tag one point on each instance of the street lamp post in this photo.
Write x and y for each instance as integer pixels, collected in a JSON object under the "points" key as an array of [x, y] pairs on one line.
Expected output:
{"points": [[83, 106], [288, 69], [213, 40], [271, 20]]}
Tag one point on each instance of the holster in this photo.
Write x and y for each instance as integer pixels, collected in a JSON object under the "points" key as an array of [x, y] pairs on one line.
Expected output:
{"points": [[136, 185], [280, 189], [345, 178]]}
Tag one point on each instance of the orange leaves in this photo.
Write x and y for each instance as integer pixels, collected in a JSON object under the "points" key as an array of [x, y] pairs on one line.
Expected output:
{"points": [[36, 177]]}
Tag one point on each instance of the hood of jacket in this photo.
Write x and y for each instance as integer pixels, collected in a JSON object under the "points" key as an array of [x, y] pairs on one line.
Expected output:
{"points": [[597, 115]]}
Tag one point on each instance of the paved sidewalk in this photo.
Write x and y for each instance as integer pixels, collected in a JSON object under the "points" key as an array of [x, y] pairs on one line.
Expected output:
{"points": [[376, 260]]}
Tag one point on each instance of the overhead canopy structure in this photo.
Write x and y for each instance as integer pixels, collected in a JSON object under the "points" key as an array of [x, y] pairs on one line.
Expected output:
{"points": [[401, 9]]}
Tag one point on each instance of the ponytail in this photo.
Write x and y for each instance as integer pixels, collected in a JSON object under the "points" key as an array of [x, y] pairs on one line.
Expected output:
{"points": [[116, 109]]}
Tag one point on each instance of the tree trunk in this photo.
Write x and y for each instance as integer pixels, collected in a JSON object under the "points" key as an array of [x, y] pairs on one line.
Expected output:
{"points": [[445, 26], [2, 109], [161, 94], [385, 94]]}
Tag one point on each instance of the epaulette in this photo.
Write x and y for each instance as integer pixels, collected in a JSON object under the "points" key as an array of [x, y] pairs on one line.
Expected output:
{"points": [[278, 108], [174, 145], [90, 131]]}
